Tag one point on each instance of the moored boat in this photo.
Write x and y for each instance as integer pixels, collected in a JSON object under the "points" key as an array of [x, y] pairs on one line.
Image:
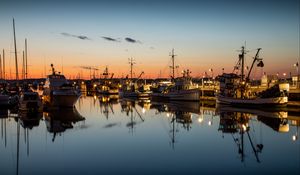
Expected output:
{"points": [[131, 89], [184, 89], [107, 86], [235, 89], [58, 92]]}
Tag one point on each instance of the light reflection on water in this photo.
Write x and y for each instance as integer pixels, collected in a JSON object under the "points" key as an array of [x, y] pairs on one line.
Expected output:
{"points": [[114, 136]]}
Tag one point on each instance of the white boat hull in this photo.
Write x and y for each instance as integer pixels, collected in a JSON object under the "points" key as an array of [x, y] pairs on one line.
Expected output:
{"points": [[134, 94], [256, 101], [184, 95], [60, 100]]}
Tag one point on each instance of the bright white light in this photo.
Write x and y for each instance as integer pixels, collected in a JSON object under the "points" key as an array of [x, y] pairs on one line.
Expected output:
{"points": [[143, 110], [209, 123], [294, 138], [244, 127], [200, 119]]}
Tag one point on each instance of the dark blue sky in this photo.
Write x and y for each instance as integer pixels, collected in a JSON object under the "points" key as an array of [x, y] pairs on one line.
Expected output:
{"points": [[204, 33]]}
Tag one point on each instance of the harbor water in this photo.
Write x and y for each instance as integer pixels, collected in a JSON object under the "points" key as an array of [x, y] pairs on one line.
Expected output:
{"points": [[112, 136]]}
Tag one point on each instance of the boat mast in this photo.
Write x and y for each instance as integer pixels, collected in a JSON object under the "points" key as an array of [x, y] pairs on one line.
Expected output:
{"points": [[256, 58], [26, 66], [23, 66], [242, 59], [0, 68], [105, 73], [173, 64], [16, 57], [3, 57], [131, 62]]}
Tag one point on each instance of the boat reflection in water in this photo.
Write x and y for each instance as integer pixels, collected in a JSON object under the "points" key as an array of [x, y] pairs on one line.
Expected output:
{"points": [[158, 134], [237, 122], [128, 107], [179, 113], [28, 120], [57, 121], [106, 104]]}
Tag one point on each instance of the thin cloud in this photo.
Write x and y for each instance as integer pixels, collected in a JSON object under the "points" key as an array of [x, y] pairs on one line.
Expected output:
{"points": [[66, 34], [82, 37], [110, 39], [130, 40]]}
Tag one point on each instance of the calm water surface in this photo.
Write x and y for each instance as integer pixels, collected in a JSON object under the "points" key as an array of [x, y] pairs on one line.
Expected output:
{"points": [[143, 137]]}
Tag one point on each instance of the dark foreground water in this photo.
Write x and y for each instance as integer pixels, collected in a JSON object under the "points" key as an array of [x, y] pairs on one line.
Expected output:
{"points": [[136, 137]]}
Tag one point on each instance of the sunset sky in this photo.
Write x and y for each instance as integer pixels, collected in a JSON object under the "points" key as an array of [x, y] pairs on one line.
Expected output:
{"points": [[205, 34]]}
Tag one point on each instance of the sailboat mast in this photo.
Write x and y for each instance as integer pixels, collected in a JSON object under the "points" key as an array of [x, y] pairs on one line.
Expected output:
{"points": [[16, 57], [0, 68], [3, 57], [23, 66], [131, 65], [26, 68]]}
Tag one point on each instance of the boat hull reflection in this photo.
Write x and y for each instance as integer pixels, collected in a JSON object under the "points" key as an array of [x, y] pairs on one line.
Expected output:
{"points": [[274, 118], [58, 121]]}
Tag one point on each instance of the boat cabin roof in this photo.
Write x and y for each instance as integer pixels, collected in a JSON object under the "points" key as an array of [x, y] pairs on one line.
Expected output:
{"points": [[56, 76]]}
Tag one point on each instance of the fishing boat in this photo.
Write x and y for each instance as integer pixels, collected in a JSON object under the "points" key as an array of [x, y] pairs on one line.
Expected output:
{"points": [[159, 89], [107, 86], [184, 89], [181, 88], [235, 89], [58, 92], [131, 89]]}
